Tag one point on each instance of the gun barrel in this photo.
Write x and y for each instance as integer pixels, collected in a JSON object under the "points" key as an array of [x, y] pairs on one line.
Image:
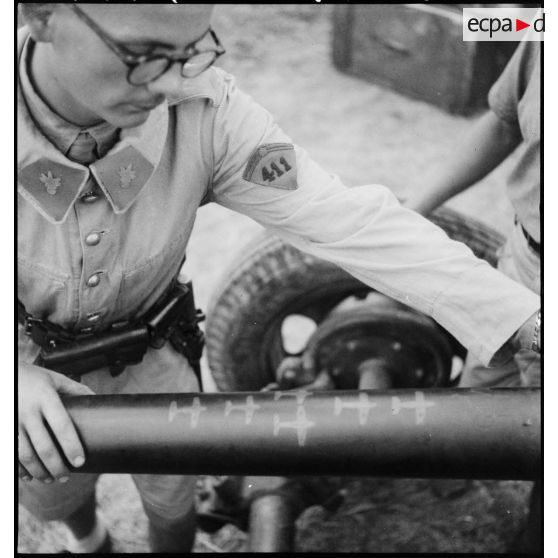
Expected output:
{"points": [[443, 433]]}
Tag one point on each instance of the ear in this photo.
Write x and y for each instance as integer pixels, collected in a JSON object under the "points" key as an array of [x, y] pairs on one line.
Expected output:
{"points": [[37, 17]]}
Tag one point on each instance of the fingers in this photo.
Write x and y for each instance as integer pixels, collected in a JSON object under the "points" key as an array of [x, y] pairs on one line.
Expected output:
{"points": [[65, 386], [47, 434], [64, 431], [45, 450], [23, 473], [30, 461]]}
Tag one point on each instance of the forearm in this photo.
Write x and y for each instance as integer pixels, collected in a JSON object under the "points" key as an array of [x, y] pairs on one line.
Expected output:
{"points": [[489, 142], [406, 257], [366, 231]]}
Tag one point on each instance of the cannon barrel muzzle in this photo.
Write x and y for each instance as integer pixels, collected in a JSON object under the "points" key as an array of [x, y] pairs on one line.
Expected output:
{"points": [[442, 433]]}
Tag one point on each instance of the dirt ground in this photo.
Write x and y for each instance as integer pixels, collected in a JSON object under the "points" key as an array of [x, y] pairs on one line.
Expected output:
{"points": [[365, 134]]}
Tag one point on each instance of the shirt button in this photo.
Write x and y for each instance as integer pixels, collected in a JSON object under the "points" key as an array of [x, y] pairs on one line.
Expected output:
{"points": [[89, 198], [93, 318], [94, 280], [92, 239]]}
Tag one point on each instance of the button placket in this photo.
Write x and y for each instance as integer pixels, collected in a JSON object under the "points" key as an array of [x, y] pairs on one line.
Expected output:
{"points": [[94, 218]]}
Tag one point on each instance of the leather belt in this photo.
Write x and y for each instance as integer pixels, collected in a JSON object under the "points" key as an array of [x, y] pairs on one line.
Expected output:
{"points": [[174, 318]]}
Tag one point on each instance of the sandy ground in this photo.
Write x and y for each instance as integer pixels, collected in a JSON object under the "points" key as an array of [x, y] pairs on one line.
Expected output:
{"points": [[365, 134]]}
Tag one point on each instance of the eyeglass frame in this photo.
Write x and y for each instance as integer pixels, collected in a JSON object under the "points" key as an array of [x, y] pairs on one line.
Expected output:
{"points": [[132, 61]]}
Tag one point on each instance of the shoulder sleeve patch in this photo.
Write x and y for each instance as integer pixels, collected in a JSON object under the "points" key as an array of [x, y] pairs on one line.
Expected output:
{"points": [[273, 164]]}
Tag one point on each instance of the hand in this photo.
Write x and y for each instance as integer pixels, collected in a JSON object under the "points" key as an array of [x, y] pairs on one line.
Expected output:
{"points": [[42, 419]]}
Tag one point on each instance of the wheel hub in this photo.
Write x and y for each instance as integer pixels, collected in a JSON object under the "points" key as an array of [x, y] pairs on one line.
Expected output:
{"points": [[377, 344]]}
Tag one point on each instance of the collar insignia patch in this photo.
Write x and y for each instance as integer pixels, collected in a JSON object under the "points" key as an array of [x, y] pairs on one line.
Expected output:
{"points": [[122, 175], [51, 187]]}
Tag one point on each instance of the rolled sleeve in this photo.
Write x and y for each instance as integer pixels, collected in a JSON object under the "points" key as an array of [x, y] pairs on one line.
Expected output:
{"points": [[505, 95], [500, 307]]}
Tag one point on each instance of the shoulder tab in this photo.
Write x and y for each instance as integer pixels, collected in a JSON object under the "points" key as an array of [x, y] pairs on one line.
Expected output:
{"points": [[208, 85]]}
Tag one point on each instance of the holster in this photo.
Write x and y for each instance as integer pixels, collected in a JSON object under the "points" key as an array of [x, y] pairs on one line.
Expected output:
{"points": [[173, 318]]}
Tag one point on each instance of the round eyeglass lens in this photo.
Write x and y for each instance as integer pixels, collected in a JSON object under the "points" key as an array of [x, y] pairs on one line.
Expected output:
{"points": [[198, 63], [149, 70]]}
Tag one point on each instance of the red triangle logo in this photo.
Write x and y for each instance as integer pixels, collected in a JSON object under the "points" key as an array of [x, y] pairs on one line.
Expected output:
{"points": [[519, 25]]}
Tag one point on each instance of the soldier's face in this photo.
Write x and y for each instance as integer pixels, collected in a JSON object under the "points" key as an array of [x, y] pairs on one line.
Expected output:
{"points": [[92, 79]]}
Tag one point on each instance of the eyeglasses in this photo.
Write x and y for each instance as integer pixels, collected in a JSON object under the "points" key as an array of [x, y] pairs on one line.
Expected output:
{"points": [[145, 68]]}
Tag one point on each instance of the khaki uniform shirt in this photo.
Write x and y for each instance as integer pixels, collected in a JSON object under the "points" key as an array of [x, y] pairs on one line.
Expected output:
{"points": [[214, 143], [515, 98]]}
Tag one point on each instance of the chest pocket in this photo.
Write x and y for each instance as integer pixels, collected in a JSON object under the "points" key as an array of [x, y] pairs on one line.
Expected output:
{"points": [[144, 283], [44, 292]]}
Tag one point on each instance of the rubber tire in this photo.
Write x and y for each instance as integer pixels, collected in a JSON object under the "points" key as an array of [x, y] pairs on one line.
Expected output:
{"points": [[272, 280]]}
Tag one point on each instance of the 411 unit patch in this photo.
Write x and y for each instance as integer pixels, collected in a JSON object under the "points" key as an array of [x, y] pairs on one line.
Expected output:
{"points": [[273, 164]]}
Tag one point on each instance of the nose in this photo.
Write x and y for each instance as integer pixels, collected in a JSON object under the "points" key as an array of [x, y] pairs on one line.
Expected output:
{"points": [[169, 83]]}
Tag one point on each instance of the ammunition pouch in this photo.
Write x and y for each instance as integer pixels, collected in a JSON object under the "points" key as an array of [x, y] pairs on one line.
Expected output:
{"points": [[174, 318]]}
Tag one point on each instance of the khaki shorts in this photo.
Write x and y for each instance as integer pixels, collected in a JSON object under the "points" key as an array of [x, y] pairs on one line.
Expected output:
{"points": [[165, 496]]}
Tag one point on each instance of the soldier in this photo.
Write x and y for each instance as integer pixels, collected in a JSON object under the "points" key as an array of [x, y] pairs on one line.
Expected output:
{"points": [[512, 123], [123, 131]]}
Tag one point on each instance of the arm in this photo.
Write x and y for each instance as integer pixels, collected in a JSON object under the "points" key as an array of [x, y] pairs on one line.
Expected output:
{"points": [[363, 229], [42, 419], [492, 138], [489, 142]]}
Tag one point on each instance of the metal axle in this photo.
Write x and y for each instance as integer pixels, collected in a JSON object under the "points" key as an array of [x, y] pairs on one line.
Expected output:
{"points": [[451, 433]]}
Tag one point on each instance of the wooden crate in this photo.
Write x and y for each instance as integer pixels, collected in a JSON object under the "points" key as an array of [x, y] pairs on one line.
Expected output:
{"points": [[417, 50]]}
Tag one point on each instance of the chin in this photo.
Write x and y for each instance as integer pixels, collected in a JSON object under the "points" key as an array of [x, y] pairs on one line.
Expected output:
{"points": [[130, 120], [121, 117]]}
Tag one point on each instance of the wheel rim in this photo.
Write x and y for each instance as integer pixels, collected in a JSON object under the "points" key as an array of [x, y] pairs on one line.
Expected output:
{"points": [[355, 330], [393, 346]]}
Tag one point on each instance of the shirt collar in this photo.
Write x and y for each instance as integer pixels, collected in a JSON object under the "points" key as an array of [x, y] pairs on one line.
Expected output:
{"points": [[52, 183], [58, 130]]}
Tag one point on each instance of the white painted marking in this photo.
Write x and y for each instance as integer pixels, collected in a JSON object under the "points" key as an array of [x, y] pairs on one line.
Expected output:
{"points": [[249, 409], [363, 407], [419, 405], [194, 411]]}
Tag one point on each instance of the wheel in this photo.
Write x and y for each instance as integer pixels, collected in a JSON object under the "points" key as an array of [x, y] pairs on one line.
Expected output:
{"points": [[274, 293]]}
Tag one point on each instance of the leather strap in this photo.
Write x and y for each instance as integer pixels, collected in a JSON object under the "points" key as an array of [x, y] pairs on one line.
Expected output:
{"points": [[533, 244]]}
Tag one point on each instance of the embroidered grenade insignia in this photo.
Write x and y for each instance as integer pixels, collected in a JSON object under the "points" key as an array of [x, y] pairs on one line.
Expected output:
{"points": [[127, 175], [51, 183]]}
